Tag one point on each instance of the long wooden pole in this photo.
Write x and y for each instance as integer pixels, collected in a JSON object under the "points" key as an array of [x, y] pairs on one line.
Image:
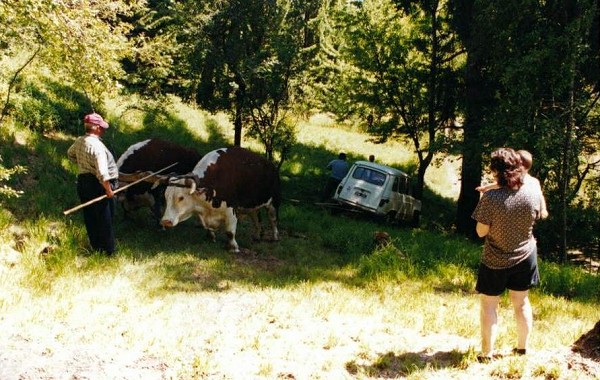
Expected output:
{"points": [[67, 212]]}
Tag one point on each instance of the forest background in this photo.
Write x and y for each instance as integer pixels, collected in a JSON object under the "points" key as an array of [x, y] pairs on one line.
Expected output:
{"points": [[448, 77]]}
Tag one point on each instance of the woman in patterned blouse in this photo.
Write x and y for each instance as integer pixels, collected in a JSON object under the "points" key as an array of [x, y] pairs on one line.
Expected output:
{"points": [[505, 217]]}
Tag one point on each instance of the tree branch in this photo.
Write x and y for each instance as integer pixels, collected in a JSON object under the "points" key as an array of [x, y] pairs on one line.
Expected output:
{"points": [[12, 82]]}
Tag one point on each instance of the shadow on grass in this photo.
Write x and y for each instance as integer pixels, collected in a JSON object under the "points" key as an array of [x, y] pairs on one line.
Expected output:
{"points": [[190, 261], [392, 366], [315, 245]]}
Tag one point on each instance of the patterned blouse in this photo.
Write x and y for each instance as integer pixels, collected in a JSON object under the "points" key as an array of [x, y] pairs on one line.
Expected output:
{"points": [[510, 215], [91, 156]]}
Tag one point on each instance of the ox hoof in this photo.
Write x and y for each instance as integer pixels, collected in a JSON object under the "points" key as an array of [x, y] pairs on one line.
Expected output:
{"points": [[247, 252]]}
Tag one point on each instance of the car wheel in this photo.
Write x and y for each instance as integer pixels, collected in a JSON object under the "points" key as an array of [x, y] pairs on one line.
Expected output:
{"points": [[390, 218], [416, 220]]}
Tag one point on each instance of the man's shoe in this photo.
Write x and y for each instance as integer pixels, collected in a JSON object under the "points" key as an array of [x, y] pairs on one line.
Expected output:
{"points": [[484, 359]]}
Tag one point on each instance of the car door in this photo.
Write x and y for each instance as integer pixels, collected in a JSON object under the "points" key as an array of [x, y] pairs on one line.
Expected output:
{"points": [[363, 188]]}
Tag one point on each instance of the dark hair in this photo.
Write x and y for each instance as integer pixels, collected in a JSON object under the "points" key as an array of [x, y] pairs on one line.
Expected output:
{"points": [[342, 156], [506, 163]]}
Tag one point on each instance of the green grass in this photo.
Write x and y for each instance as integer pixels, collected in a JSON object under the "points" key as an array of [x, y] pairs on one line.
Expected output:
{"points": [[324, 302]]}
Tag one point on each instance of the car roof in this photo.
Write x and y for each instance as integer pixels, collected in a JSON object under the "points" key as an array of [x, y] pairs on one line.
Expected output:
{"points": [[383, 168]]}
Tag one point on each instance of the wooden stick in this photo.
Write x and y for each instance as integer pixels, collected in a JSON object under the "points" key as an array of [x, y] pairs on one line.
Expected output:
{"points": [[67, 212]]}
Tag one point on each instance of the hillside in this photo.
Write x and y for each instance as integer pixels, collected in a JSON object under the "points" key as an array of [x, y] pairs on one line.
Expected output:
{"points": [[325, 302]]}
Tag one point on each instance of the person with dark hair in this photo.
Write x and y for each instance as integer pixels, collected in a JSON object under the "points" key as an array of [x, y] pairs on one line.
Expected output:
{"points": [[97, 176], [528, 179], [505, 217], [339, 168], [371, 158]]}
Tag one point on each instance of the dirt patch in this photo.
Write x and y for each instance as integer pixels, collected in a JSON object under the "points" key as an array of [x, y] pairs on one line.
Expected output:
{"points": [[589, 344], [23, 359]]}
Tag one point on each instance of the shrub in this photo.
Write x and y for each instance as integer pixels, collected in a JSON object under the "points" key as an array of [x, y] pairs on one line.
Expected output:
{"points": [[5, 175]]}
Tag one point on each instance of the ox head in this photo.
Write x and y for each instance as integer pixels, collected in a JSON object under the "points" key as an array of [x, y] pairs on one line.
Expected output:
{"points": [[184, 198]]}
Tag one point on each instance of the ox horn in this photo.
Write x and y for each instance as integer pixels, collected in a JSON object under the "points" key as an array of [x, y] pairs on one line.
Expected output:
{"points": [[191, 183]]}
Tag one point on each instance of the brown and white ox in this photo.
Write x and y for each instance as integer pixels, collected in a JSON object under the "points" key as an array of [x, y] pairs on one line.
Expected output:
{"points": [[225, 182], [149, 156]]}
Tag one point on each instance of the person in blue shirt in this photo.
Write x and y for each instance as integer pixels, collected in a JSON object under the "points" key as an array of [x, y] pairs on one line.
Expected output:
{"points": [[339, 168]]}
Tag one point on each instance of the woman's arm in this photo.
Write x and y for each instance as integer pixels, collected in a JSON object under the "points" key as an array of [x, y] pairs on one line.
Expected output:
{"points": [[482, 229]]}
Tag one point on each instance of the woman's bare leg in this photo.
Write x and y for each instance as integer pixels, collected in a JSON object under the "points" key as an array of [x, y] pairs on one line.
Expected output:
{"points": [[489, 323], [523, 316]]}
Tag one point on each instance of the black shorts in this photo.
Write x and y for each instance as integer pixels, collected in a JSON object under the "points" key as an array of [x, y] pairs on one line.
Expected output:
{"points": [[523, 276]]}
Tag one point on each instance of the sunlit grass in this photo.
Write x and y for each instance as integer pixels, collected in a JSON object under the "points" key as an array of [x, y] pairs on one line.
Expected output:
{"points": [[324, 302]]}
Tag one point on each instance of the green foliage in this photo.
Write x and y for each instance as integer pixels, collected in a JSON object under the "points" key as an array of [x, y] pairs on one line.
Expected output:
{"points": [[44, 105], [582, 231], [396, 69], [570, 282], [542, 70], [278, 138], [386, 262], [5, 175], [328, 263], [82, 45], [245, 58]]}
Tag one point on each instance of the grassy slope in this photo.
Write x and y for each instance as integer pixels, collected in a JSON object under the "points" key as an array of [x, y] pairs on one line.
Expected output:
{"points": [[322, 303]]}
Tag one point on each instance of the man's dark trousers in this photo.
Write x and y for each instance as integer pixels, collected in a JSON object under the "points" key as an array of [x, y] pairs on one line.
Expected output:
{"points": [[97, 216]]}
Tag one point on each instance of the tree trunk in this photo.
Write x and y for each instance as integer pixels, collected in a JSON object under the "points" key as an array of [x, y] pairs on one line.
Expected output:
{"points": [[476, 95], [420, 185], [471, 168], [11, 84], [470, 178], [237, 126], [565, 175]]}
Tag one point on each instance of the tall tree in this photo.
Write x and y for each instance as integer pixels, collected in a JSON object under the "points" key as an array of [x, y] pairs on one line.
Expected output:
{"points": [[245, 57], [537, 89], [397, 64], [478, 96]]}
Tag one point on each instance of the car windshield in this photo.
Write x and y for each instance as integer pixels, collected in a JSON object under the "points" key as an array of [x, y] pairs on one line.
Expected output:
{"points": [[369, 175]]}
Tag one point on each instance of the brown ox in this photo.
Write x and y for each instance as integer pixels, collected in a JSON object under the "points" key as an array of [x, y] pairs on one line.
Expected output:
{"points": [[224, 182], [149, 156]]}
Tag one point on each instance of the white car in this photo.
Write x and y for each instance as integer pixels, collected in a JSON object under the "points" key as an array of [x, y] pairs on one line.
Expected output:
{"points": [[380, 190]]}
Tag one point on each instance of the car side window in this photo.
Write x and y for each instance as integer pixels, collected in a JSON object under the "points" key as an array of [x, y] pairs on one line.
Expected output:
{"points": [[396, 185], [403, 186]]}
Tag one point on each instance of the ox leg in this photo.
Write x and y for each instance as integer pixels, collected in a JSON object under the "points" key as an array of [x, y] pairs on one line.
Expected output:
{"points": [[124, 201], [272, 213], [126, 215], [157, 210], [257, 230], [230, 229], [158, 207], [211, 233]]}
